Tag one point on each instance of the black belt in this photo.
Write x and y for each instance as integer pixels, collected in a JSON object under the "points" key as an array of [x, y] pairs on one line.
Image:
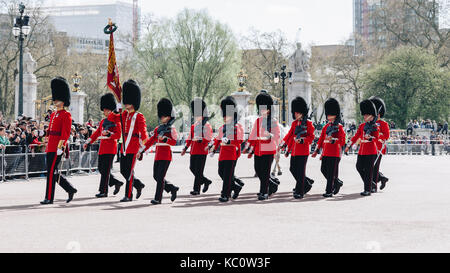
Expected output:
{"points": [[133, 135], [54, 133]]}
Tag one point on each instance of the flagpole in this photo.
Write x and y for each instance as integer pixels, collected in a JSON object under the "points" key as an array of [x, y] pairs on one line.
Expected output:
{"points": [[112, 70]]}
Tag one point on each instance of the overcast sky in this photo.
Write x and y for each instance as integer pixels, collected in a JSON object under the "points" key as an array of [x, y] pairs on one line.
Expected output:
{"points": [[322, 21]]}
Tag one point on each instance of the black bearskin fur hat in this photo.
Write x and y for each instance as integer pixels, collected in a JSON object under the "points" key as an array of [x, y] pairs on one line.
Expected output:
{"points": [[264, 99], [229, 101], [131, 94], [60, 90], [198, 108], [368, 108], [165, 108], [379, 105], [299, 105], [108, 101], [332, 108]]}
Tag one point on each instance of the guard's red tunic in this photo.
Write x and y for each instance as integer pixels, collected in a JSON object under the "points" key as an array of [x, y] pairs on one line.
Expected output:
{"points": [[139, 131], [59, 129], [198, 148], [331, 149], [108, 146], [298, 149]]}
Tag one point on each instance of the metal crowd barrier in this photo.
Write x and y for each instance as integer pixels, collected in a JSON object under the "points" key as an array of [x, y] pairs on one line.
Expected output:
{"points": [[33, 163], [414, 149]]}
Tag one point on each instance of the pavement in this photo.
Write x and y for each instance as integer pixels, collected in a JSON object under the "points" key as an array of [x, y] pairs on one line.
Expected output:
{"points": [[408, 216]]}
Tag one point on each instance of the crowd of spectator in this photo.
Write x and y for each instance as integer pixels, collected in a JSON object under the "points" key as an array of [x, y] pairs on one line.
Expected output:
{"points": [[26, 134], [438, 128]]}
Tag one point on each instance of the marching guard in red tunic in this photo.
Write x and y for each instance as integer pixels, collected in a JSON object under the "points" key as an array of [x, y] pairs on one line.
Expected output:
{"points": [[198, 139], [230, 138], [109, 131], [263, 142], [297, 142], [163, 136], [331, 141], [381, 143], [135, 130], [58, 133], [368, 134]]}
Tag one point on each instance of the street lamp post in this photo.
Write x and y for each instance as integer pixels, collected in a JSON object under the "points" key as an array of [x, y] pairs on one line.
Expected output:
{"points": [[283, 76], [21, 30]]}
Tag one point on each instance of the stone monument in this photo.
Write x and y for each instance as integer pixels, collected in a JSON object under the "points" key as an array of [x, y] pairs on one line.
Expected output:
{"points": [[301, 79], [29, 86], [242, 97]]}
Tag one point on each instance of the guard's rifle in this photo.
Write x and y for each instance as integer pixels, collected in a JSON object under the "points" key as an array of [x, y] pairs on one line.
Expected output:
{"points": [[165, 128], [300, 130]]}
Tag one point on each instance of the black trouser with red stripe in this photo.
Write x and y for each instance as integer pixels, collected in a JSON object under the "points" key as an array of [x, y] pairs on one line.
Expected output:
{"points": [[127, 163], [262, 168], [197, 167], [226, 172], [298, 170], [105, 163], [53, 175], [365, 167], [160, 168], [378, 176], [330, 169]]}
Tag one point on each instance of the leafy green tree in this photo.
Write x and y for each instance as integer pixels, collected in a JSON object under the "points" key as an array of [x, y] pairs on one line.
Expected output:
{"points": [[189, 56], [412, 84]]}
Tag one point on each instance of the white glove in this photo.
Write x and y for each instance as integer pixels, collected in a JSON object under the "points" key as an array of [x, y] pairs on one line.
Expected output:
{"points": [[225, 140], [118, 107], [59, 152]]}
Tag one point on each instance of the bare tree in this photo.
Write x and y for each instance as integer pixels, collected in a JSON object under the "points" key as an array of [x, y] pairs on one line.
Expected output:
{"points": [[41, 41], [262, 55], [416, 23]]}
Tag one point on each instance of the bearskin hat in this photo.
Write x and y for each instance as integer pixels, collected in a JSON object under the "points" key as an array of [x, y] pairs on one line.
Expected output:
{"points": [[379, 105], [131, 94], [299, 105], [108, 101], [332, 108], [165, 108], [198, 108], [368, 108], [60, 90], [264, 99], [226, 104]]}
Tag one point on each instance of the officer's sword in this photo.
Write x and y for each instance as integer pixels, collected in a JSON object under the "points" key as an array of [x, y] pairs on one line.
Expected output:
{"points": [[379, 153], [63, 157]]}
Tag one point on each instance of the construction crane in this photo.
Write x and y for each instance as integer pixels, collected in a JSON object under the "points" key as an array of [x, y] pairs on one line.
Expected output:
{"points": [[135, 21]]}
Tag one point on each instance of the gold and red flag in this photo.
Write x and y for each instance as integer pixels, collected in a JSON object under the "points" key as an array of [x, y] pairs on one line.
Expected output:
{"points": [[113, 81]]}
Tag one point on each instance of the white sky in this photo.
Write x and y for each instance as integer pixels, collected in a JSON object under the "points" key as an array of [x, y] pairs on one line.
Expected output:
{"points": [[322, 21]]}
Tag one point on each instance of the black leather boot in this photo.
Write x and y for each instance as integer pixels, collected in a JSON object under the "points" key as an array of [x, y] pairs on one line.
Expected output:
{"points": [[70, 198], [384, 180], [139, 191], [174, 193], [46, 202], [156, 202], [337, 186], [126, 199], [117, 187], [206, 186]]}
